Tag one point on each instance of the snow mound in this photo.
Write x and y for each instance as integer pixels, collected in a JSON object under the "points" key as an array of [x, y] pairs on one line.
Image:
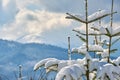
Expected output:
{"points": [[70, 72]]}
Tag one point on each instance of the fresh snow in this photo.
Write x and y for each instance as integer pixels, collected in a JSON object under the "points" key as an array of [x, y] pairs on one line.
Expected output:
{"points": [[74, 69], [82, 49], [108, 70], [104, 54], [97, 14], [91, 17], [72, 72], [96, 48], [93, 32], [100, 30], [116, 30], [117, 61], [42, 63]]}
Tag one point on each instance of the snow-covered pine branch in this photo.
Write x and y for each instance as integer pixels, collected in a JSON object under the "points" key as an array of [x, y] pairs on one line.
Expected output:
{"points": [[72, 72], [92, 48], [91, 18], [108, 70], [42, 63]]}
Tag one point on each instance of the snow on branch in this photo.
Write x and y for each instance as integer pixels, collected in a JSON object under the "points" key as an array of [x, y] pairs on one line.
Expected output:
{"points": [[82, 49], [98, 15], [109, 31], [116, 31], [92, 31], [95, 48], [108, 70], [52, 64], [75, 17], [73, 72], [117, 61], [75, 69], [103, 54], [42, 63], [100, 30], [94, 17], [95, 64]]}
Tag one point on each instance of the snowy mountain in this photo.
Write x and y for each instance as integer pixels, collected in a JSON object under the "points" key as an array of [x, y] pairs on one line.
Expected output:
{"points": [[13, 54]]}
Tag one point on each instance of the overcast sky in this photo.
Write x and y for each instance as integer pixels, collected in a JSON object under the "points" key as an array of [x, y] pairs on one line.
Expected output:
{"points": [[44, 21]]}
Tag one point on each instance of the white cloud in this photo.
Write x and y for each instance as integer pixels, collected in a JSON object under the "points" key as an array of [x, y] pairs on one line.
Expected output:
{"points": [[33, 22], [43, 20], [38, 21]]}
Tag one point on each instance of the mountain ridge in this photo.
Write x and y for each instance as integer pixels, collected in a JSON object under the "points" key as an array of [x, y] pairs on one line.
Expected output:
{"points": [[13, 54]]}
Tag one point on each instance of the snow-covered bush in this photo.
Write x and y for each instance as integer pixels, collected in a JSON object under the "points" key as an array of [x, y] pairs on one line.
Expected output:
{"points": [[89, 68], [76, 69]]}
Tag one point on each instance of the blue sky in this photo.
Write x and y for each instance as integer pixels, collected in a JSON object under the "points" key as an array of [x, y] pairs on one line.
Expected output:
{"points": [[44, 21]]}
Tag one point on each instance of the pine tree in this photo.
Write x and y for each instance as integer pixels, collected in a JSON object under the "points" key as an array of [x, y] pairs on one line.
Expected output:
{"points": [[89, 68]]}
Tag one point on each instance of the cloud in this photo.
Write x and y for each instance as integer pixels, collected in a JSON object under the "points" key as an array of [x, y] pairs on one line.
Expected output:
{"points": [[46, 20], [33, 22], [43, 20]]}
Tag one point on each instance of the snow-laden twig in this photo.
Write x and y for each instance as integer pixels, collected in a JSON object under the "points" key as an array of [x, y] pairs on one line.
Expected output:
{"points": [[42, 63], [117, 61], [103, 54], [91, 18], [82, 49]]}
